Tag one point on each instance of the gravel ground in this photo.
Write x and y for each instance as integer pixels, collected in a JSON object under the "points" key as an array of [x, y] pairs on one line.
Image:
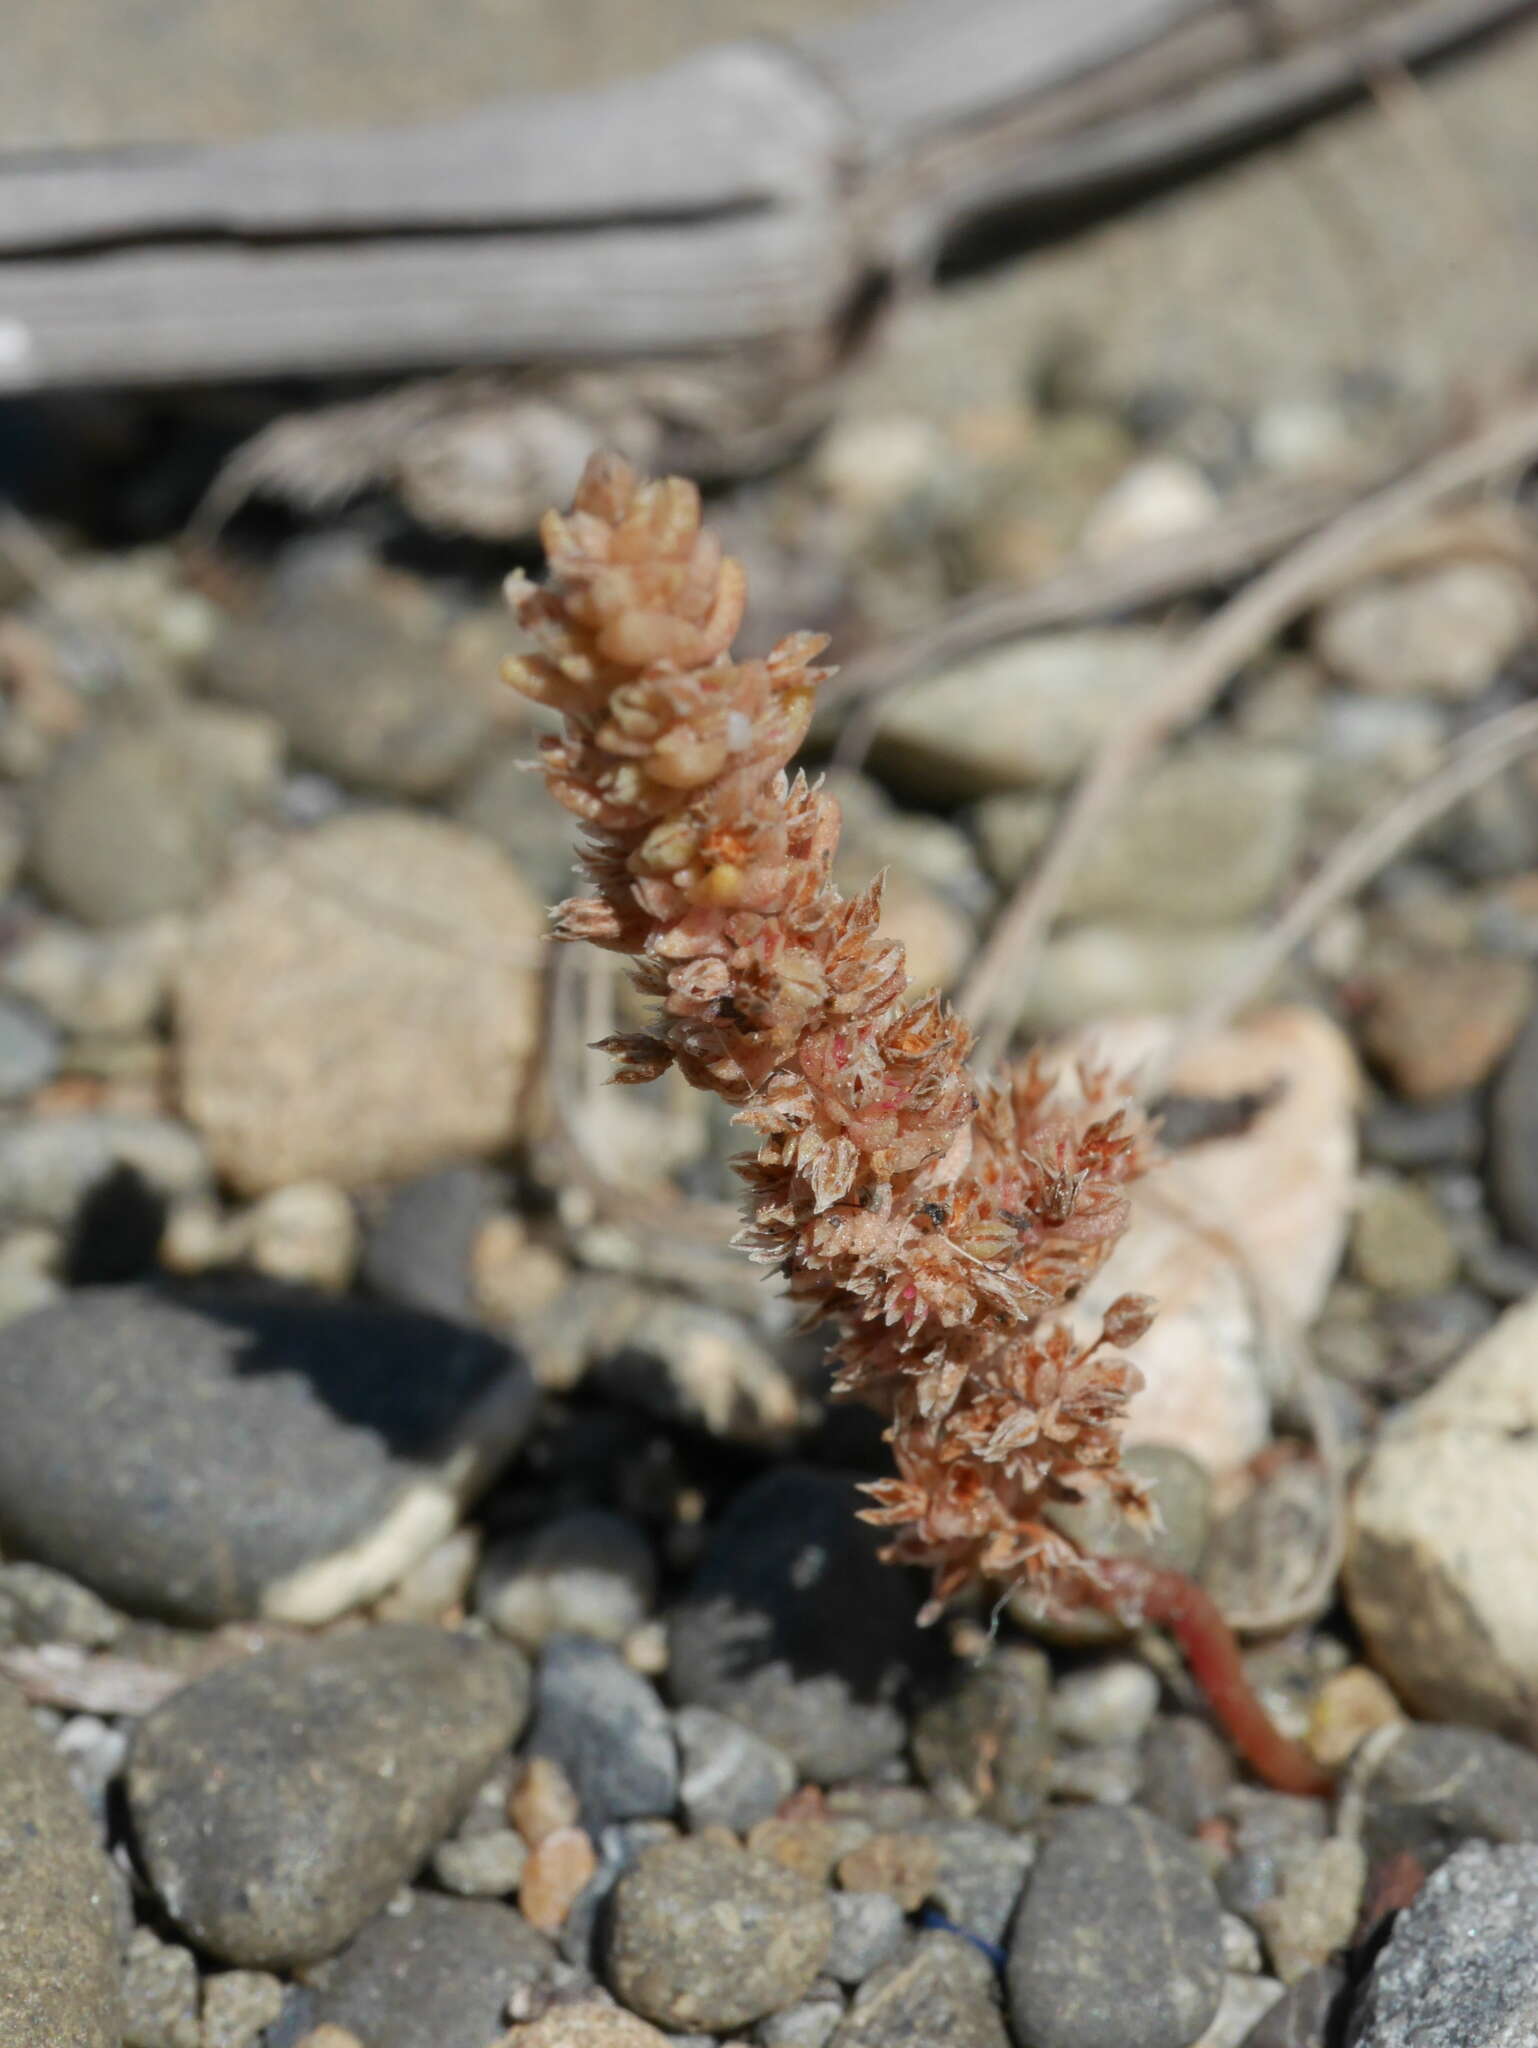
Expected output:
{"points": [[431, 1604]]}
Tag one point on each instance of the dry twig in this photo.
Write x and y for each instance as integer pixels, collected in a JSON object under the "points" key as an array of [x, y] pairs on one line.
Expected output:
{"points": [[990, 995]]}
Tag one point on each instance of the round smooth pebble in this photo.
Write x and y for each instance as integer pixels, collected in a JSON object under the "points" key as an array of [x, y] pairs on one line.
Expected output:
{"points": [[704, 1937], [869, 1928], [1425, 1791], [1443, 1527], [590, 1573], [794, 1627], [607, 1729], [130, 824], [443, 1971], [280, 1801], [148, 1443], [361, 1007], [1119, 1918], [728, 1776], [485, 1866]]}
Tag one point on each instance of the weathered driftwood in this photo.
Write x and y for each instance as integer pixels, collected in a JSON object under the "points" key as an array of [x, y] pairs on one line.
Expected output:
{"points": [[758, 192]]}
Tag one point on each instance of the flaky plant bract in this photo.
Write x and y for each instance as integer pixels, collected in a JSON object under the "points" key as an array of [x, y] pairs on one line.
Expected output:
{"points": [[940, 1224], [937, 1223]]}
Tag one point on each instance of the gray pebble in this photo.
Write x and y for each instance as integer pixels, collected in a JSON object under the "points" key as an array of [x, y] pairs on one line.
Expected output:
{"points": [[441, 1971], [130, 824], [95, 1751], [794, 1627], [59, 1973], [481, 1866], [145, 1443], [869, 1930], [1511, 1164], [590, 1573], [1111, 1701], [1461, 1967], [29, 1049], [1410, 1136], [418, 1244], [1269, 1830], [1119, 1918], [809, 2023], [1187, 1772], [280, 1801], [728, 1777], [1307, 2015], [705, 1936], [981, 1875], [1427, 1789], [160, 1993], [985, 1746], [607, 1729], [40, 1605], [50, 1165], [238, 2005], [1109, 1775], [943, 1992]]}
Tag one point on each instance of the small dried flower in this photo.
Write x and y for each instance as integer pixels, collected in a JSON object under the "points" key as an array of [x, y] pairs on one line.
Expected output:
{"points": [[938, 1224]]}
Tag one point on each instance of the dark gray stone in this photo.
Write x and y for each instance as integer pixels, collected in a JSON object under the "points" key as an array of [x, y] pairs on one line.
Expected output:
{"points": [[184, 1456], [985, 1746], [793, 1626], [130, 824], [441, 1973], [1306, 2015], [1269, 1830], [982, 1872], [943, 1992], [1461, 1966], [29, 1049], [361, 688], [728, 1776], [59, 1973], [1119, 1920], [1511, 1160], [705, 1937], [418, 1244], [1188, 1771], [280, 1801], [1427, 1789], [605, 1726], [1410, 1136], [869, 1931]]}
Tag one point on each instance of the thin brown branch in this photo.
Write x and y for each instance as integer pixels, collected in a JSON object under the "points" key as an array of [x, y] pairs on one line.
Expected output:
{"points": [[1234, 635]]}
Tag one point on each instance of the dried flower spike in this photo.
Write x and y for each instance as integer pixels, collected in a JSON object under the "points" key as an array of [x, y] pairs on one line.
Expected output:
{"points": [[939, 1224]]}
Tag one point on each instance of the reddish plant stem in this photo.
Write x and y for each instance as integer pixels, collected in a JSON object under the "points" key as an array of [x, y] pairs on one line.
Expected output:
{"points": [[1139, 1592]]}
